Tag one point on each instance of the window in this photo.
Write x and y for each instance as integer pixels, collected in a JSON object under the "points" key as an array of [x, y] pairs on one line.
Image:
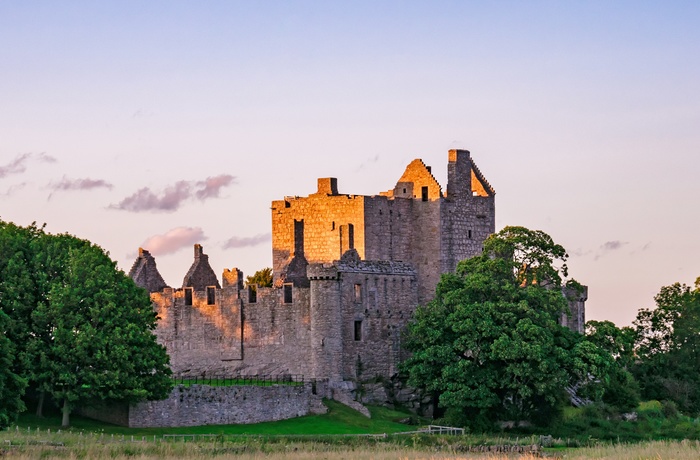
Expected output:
{"points": [[470, 234], [287, 293], [358, 293], [252, 293], [188, 296], [211, 295], [358, 330], [424, 193]]}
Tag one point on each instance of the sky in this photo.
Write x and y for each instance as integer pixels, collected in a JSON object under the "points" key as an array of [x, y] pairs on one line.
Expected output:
{"points": [[162, 124]]}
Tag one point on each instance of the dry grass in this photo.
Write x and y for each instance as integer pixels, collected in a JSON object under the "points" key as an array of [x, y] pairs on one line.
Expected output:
{"points": [[82, 448]]}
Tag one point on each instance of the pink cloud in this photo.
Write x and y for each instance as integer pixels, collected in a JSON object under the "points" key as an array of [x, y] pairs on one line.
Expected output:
{"points": [[173, 240], [242, 242], [211, 186]]}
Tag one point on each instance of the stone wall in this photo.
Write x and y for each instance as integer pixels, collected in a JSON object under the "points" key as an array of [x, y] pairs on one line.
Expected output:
{"points": [[234, 335], [330, 225], [116, 414], [206, 405]]}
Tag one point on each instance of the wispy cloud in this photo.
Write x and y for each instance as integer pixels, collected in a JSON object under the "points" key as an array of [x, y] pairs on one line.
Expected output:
{"points": [[67, 185], [171, 198], [173, 240], [19, 164], [211, 186], [247, 241], [609, 246], [13, 189]]}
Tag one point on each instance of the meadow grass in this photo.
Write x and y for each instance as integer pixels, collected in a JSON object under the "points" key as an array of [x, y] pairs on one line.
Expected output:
{"points": [[257, 449]]}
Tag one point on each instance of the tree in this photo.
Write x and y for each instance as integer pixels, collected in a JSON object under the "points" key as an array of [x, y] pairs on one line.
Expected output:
{"points": [[11, 384], [86, 329], [262, 278], [17, 299], [668, 347], [621, 390], [490, 344], [102, 346]]}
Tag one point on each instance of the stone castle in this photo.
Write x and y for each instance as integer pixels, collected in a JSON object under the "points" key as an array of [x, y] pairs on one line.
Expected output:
{"points": [[349, 271]]}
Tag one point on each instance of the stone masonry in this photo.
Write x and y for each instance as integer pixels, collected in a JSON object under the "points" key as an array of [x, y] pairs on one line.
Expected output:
{"points": [[349, 271]]}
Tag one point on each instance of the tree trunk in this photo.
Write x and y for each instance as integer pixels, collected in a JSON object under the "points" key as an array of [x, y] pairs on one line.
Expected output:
{"points": [[40, 404], [66, 414]]}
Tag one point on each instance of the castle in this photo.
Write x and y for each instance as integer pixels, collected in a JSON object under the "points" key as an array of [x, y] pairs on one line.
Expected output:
{"points": [[349, 271]]}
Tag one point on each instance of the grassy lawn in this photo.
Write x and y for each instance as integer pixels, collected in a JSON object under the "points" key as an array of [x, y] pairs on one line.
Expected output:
{"points": [[340, 419]]}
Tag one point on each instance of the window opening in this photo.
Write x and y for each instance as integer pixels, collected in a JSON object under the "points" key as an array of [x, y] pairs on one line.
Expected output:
{"points": [[358, 330], [358, 293], [287, 293], [470, 234], [424, 193], [211, 295], [188, 296]]}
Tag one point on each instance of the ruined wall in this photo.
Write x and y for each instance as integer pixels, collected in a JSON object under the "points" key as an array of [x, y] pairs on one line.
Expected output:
{"points": [[332, 224], [234, 335], [200, 338], [276, 334], [359, 309], [204, 405], [198, 405], [468, 214], [575, 318], [382, 303]]}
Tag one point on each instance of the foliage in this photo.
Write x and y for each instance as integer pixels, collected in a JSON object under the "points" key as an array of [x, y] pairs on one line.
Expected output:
{"points": [[262, 278], [86, 328], [11, 384], [490, 344], [668, 347], [621, 390]]}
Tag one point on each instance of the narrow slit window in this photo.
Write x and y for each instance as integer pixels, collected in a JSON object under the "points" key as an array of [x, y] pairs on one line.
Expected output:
{"points": [[252, 293], [358, 330], [424, 193], [470, 234], [188, 296], [287, 293], [358, 293], [211, 295]]}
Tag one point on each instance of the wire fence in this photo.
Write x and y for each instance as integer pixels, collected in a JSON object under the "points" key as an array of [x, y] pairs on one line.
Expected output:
{"points": [[237, 380]]}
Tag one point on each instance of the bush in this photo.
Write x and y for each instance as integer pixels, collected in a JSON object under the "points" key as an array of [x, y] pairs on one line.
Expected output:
{"points": [[669, 409]]}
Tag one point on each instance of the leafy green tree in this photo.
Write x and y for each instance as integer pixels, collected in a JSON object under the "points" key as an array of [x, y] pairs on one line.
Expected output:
{"points": [[17, 300], [102, 345], [85, 328], [621, 390], [262, 278], [490, 344], [11, 384], [668, 347]]}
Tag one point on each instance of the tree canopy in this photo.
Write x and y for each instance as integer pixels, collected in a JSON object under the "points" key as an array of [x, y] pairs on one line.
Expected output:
{"points": [[490, 344], [668, 347], [261, 278], [86, 329]]}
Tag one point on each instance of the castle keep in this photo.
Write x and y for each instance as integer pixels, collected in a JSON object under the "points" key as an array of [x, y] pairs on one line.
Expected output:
{"points": [[349, 271]]}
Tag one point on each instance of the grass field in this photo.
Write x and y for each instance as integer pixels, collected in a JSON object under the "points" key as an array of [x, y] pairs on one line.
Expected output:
{"points": [[332, 436]]}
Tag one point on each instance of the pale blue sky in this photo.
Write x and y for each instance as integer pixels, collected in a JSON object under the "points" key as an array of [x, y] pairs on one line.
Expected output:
{"points": [[584, 116]]}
